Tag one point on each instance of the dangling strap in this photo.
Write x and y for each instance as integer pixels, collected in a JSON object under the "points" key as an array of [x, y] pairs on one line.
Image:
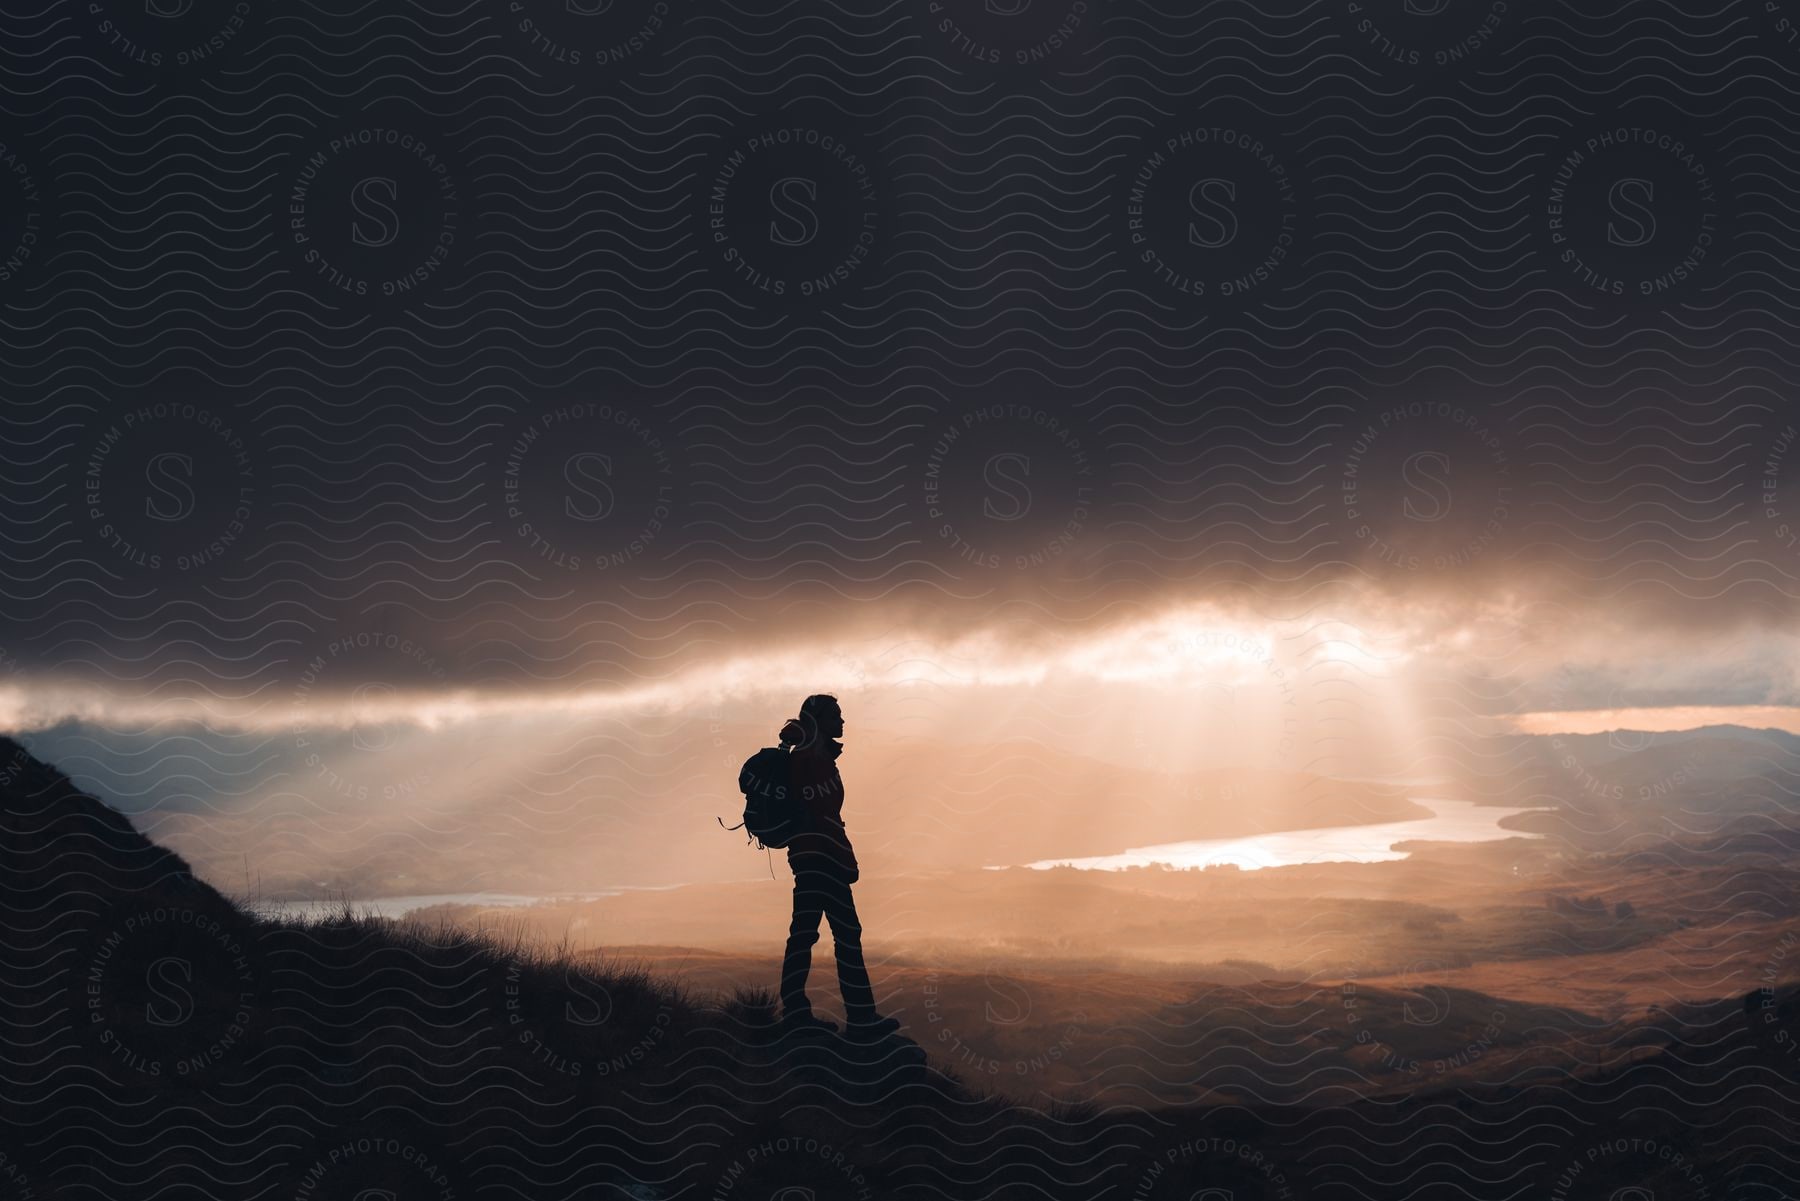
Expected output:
{"points": [[748, 839]]}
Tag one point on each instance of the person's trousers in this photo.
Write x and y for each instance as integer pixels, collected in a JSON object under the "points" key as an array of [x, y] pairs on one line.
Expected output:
{"points": [[825, 894]]}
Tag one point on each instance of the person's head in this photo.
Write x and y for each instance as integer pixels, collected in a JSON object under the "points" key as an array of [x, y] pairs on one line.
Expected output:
{"points": [[820, 717]]}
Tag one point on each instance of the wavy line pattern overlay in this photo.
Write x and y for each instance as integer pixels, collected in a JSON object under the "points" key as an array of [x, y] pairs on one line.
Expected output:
{"points": [[579, 367]]}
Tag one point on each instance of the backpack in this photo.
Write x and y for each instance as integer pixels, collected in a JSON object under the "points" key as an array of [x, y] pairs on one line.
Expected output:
{"points": [[773, 812]]}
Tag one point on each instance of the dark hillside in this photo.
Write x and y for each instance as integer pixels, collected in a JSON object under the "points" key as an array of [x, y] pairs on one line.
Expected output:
{"points": [[162, 1044]]}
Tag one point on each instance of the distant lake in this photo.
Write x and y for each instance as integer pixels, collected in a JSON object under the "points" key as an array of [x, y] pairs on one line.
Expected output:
{"points": [[1451, 821]]}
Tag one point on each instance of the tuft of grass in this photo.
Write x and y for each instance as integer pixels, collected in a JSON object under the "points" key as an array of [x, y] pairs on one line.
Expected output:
{"points": [[751, 1005], [630, 985], [1074, 1111]]}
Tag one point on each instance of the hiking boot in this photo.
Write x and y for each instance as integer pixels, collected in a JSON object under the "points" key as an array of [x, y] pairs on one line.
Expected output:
{"points": [[804, 1021], [871, 1028]]}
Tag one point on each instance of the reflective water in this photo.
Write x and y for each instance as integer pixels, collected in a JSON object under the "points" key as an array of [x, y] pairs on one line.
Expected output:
{"points": [[1452, 821]]}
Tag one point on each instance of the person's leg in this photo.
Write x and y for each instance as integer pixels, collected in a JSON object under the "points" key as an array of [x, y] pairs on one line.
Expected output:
{"points": [[803, 932], [846, 937]]}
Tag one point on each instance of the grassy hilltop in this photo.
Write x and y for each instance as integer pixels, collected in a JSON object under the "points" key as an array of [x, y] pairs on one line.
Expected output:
{"points": [[165, 1043]]}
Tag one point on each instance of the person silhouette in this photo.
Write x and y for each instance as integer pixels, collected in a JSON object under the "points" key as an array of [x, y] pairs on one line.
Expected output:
{"points": [[824, 866]]}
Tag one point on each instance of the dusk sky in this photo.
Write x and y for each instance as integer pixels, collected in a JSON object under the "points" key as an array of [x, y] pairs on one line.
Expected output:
{"points": [[369, 367], [908, 600]]}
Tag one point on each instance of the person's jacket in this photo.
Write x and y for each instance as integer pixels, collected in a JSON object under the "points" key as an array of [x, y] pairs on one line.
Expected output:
{"points": [[824, 845]]}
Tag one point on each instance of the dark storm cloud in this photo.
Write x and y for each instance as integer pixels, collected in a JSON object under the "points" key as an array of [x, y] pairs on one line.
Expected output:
{"points": [[508, 379]]}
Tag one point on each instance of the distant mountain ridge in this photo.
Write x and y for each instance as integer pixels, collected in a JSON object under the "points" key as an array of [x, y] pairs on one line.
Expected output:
{"points": [[1608, 789], [611, 810], [164, 1043], [1614, 744]]}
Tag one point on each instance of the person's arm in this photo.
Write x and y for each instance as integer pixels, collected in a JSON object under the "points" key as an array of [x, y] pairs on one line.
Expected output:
{"points": [[851, 872], [826, 805], [806, 779], [845, 854]]}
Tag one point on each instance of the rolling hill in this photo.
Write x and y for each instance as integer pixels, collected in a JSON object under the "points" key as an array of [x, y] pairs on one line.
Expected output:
{"points": [[165, 1043]]}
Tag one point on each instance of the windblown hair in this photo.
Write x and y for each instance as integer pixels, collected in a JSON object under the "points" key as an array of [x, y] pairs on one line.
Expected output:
{"points": [[804, 730]]}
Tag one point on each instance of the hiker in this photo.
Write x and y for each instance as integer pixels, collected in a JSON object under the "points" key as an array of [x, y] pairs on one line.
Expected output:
{"points": [[824, 865]]}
